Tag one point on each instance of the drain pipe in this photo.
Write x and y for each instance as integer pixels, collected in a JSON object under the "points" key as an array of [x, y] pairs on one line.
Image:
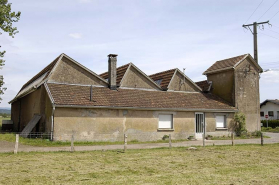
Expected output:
{"points": [[52, 122]]}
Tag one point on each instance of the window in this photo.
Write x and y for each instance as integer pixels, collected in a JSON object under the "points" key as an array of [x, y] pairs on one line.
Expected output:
{"points": [[158, 81], [165, 121], [270, 113], [262, 114], [220, 121]]}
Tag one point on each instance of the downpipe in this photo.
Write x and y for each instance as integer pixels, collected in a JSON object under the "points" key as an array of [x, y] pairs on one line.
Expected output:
{"points": [[52, 122]]}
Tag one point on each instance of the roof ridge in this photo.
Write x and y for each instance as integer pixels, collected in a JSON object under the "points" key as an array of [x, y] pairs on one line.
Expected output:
{"points": [[116, 68], [163, 71]]}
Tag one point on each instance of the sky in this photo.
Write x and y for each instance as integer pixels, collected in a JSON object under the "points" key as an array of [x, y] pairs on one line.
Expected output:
{"points": [[155, 35]]}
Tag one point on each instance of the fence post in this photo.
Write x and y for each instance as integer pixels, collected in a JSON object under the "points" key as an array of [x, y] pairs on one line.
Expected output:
{"points": [[262, 139], [232, 135], [125, 142], [16, 144], [72, 143], [170, 141]]}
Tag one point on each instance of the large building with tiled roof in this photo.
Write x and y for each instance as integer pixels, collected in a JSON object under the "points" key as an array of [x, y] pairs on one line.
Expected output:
{"points": [[66, 98]]}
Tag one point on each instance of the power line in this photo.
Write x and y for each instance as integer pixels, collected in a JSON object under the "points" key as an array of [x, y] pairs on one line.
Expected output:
{"points": [[272, 30], [268, 9], [274, 15], [253, 12], [269, 36]]}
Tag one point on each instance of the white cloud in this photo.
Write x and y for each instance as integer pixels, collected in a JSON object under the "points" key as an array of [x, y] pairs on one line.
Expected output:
{"points": [[75, 35]]}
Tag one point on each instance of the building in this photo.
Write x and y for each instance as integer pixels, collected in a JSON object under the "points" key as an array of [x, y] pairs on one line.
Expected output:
{"points": [[270, 108], [66, 98]]}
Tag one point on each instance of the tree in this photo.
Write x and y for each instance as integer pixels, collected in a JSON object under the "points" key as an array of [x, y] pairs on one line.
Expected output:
{"points": [[239, 124], [7, 18]]}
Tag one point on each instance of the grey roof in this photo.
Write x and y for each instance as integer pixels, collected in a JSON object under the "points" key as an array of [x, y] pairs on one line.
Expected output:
{"points": [[276, 101]]}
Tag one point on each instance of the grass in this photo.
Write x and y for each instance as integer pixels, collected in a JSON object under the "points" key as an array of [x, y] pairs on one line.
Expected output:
{"points": [[47, 143], [242, 164], [270, 129]]}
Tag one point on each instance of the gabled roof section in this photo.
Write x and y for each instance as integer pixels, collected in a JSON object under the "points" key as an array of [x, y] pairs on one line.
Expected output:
{"points": [[65, 95], [120, 72], [230, 63], [163, 78], [178, 71], [204, 85], [276, 101]]}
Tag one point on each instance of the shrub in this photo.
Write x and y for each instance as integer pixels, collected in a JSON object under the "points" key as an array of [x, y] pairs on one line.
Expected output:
{"points": [[165, 137], [239, 124], [271, 123], [257, 133]]}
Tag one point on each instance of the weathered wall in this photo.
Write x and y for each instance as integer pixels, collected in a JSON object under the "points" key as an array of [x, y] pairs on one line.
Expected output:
{"points": [[210, 119], [69, 72], [15, 115], [247, 94], [223, 85], [110, 125], [178, 85], [134, 79], [27, 107]]}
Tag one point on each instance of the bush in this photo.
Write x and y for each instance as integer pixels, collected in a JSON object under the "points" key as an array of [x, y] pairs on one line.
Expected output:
{"points": [[239, 124], [165, 137], [271, 123], [257, 133]]}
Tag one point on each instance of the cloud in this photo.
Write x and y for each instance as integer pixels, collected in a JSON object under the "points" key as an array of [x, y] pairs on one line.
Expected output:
{"points": [[75, 35]]}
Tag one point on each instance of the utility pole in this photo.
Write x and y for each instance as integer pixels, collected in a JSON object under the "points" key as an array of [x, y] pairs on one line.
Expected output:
{"points": [[255, 33]]}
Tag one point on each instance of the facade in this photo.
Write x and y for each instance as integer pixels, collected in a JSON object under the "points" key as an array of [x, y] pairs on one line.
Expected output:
{"points": [[270, 108], [70, 98]]}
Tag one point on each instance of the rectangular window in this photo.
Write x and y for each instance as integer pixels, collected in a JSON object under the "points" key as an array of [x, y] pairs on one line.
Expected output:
{"points": [[221, 121], [165, 121], [270, 113], [262, 114]]}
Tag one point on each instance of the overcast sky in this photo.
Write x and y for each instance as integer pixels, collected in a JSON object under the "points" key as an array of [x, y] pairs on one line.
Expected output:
{"points": [[155, 35]]}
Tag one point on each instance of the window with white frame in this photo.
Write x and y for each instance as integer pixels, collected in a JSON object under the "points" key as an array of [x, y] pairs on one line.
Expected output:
{"points": [[165, 121], [220, 121]]}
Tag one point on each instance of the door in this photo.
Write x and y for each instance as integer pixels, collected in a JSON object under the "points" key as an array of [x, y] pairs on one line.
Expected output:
{"points": [[199, 117]]}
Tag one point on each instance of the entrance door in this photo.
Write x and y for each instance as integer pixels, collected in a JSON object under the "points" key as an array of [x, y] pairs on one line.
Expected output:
{"points": [[199, 124]]}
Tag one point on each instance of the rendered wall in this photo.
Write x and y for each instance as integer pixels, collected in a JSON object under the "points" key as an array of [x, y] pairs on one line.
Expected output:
{"points": [[178, 83], [247, 94], [223, 85], [110, 125], [68, 72], [269, 106], [134, 79]]}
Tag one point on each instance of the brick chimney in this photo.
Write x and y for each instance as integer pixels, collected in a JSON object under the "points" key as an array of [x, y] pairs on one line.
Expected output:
{"points": [[112, 60]]}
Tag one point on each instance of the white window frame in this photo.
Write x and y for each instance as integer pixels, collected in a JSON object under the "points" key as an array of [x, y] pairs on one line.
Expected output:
{"points": [[160, 128], [225, 120]]}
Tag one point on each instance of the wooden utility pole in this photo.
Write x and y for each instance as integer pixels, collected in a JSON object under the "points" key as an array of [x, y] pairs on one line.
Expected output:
{"points": [[255, 33]]}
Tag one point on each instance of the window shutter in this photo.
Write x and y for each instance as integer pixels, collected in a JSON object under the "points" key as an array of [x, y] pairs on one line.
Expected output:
{"points": [[165, 121]]}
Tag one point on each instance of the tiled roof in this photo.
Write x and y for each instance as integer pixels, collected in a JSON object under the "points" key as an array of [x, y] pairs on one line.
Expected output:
{"points": [[225, 64], [120, 71], [165, 76], [204, 85], [75, 95], [47, 69]]}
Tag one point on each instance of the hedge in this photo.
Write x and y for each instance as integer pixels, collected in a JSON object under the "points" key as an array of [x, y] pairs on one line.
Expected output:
{"points": [[271, 123]]}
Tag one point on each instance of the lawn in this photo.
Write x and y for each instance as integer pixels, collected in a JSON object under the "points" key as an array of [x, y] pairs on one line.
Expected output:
{"points": [[242, 164]]}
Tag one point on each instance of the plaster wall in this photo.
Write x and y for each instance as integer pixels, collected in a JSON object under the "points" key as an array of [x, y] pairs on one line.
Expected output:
{"points": [[178, 84], [223, 85], [269, 106], [247, 94], [111, 124], [68, 72], [134, 79]]}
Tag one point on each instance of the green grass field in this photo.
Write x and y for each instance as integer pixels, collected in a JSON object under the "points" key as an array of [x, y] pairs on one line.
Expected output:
{"points": [[242, 164]]}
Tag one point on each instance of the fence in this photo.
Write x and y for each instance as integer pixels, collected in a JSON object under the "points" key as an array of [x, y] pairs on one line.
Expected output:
{"points": [[13, 142]]}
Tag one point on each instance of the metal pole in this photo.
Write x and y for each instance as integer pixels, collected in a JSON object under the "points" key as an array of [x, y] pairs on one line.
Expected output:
{"points": [[203, 135], [267, 123], [262, 139]]}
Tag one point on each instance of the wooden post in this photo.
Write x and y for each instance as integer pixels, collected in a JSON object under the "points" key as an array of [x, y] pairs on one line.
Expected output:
{"points": [[16, 144], [72, 143], [170, 141], [125, 142], [232, 135], [203, 140], [262, 139]]}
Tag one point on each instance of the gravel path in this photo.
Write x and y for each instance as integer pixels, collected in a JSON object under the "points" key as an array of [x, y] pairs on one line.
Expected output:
{"points": [[9, 146]]}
